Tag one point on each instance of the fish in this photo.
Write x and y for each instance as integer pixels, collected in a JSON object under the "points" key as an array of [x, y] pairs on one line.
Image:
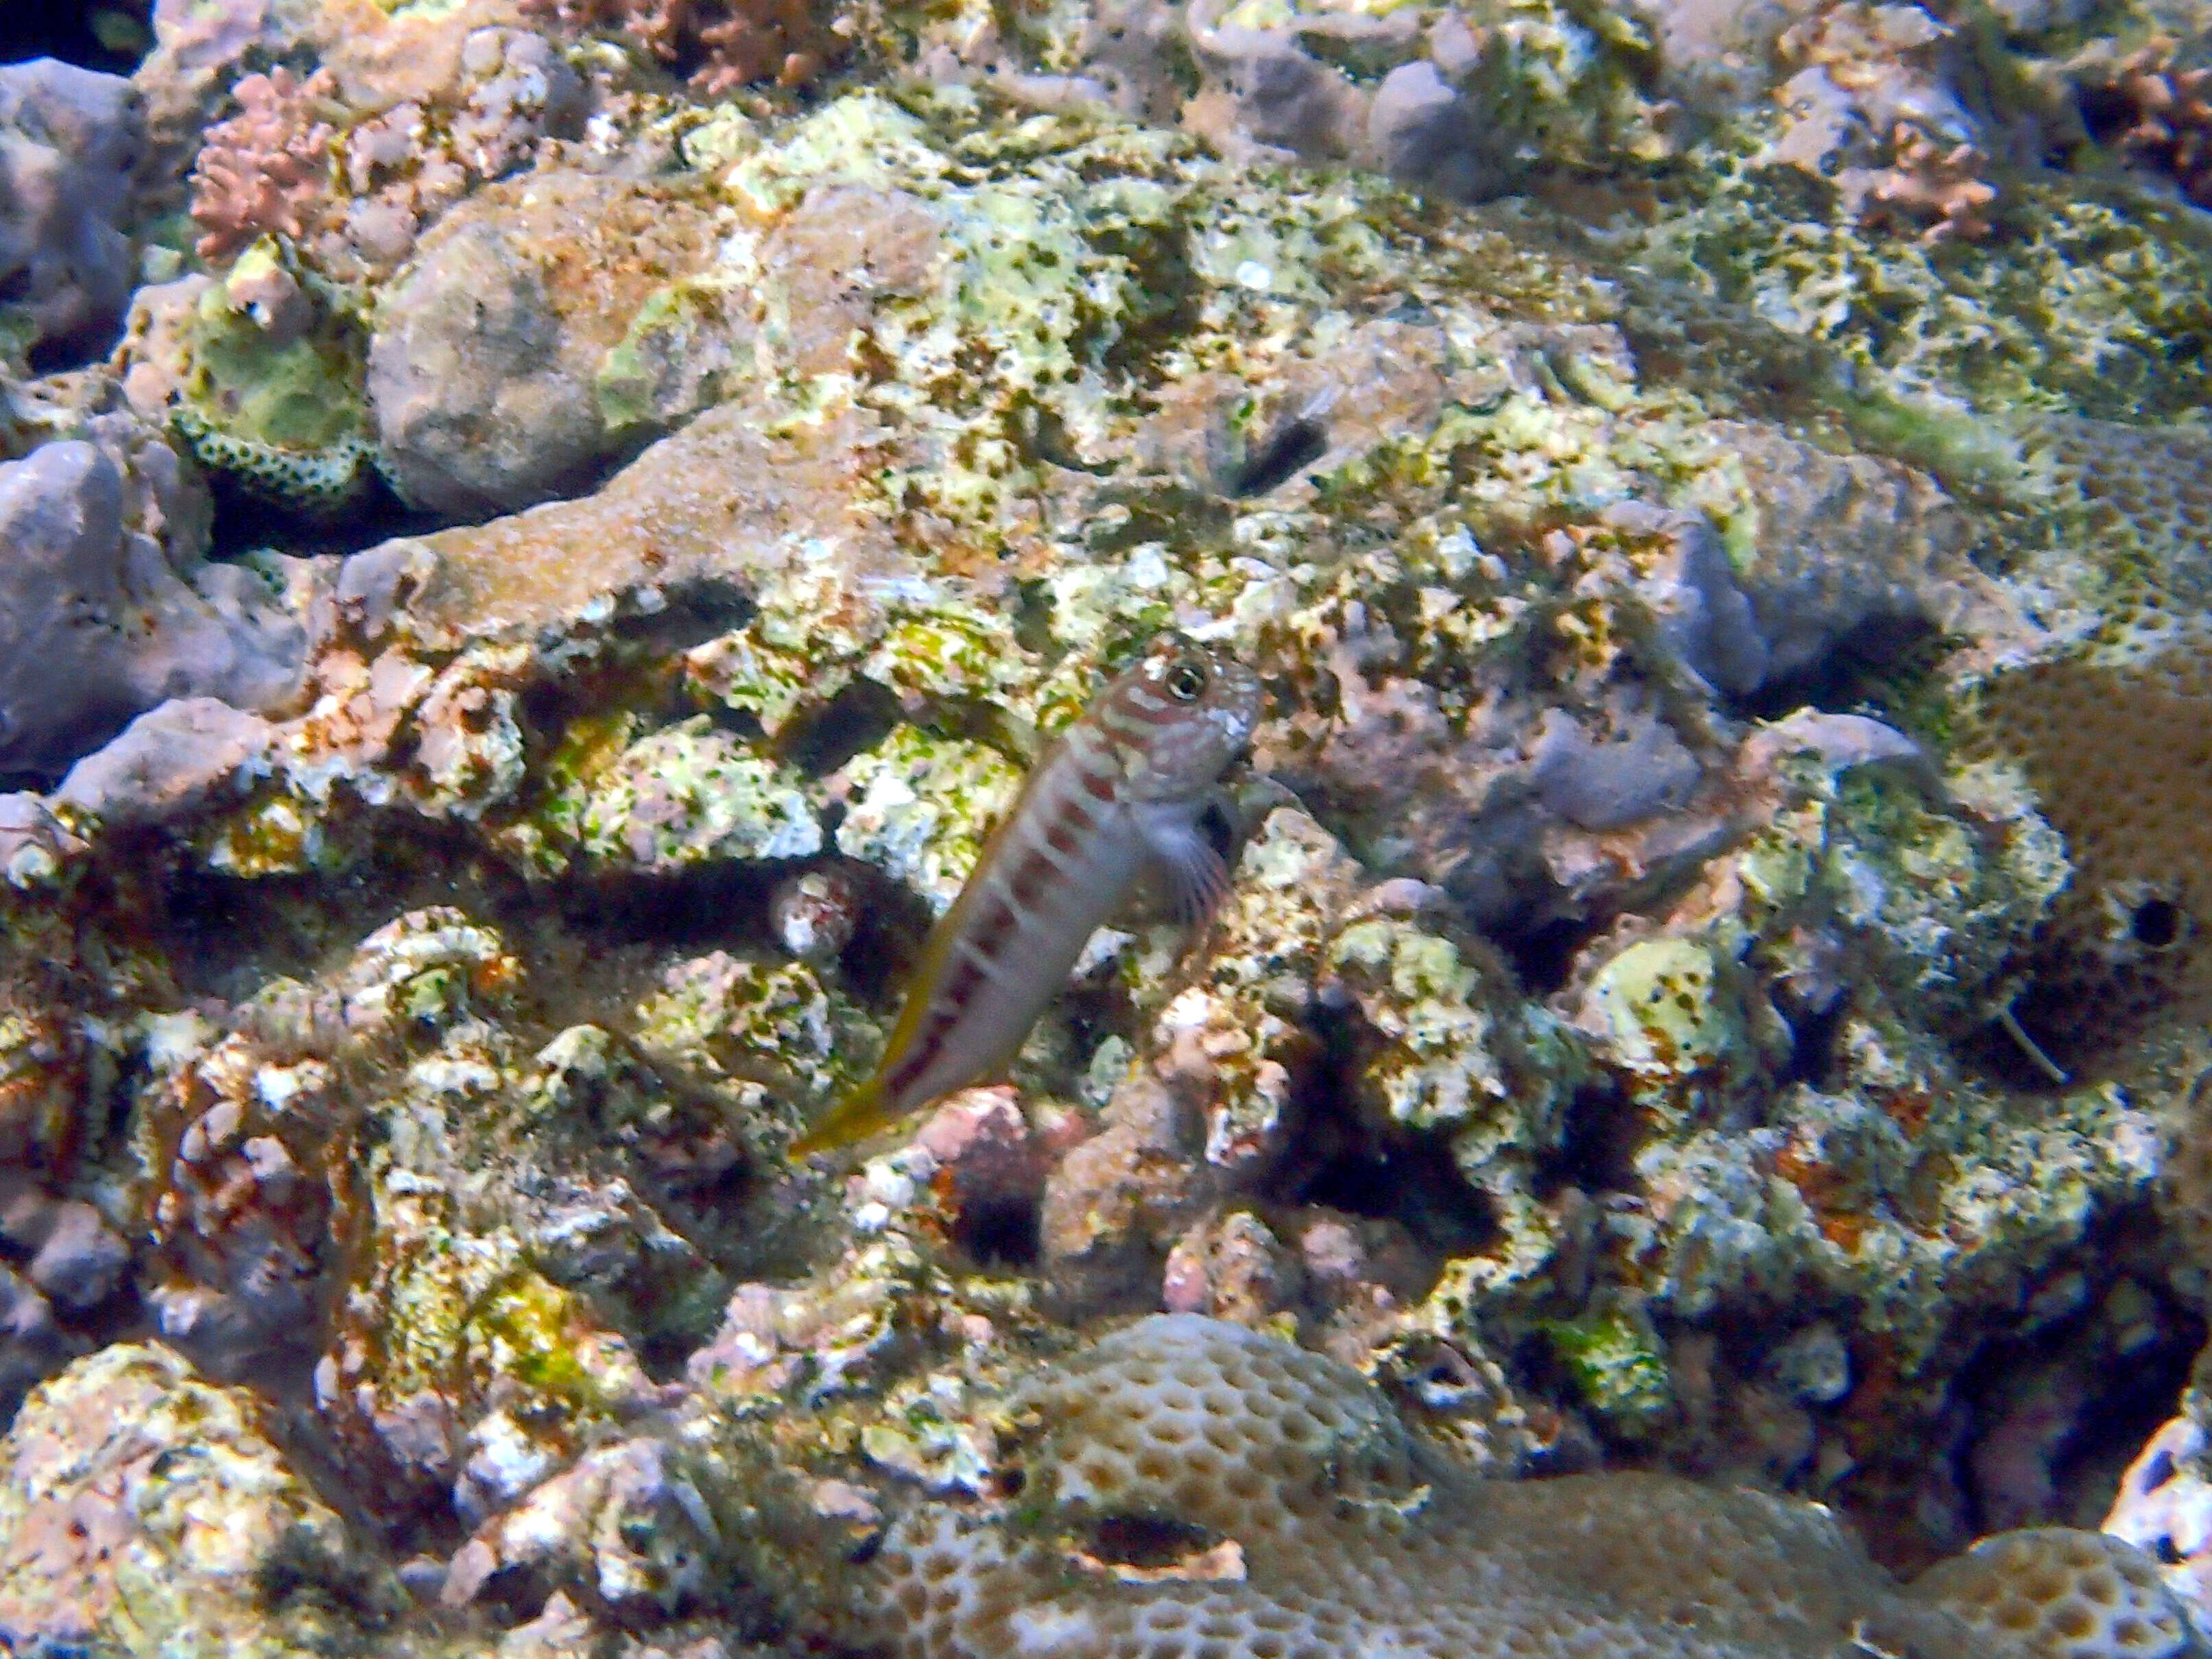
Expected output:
{"points": [[1123, 791]]}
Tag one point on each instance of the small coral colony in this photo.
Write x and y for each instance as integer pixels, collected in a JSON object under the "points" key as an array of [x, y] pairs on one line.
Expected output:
{"points": [[1106, 830]]}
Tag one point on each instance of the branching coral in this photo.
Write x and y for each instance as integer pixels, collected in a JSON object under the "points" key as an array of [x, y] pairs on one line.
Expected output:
{"points": [[1935, 186], [1871, 109], [2162, 114], [735, 43], [267, 168]]}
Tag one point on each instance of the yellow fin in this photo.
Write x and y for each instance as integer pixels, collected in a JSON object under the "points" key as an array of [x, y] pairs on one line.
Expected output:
{"points": [[859, 1114]]}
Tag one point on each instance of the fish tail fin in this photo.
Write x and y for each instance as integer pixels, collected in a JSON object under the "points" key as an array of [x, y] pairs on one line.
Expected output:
{"points": [[859, 1114]]}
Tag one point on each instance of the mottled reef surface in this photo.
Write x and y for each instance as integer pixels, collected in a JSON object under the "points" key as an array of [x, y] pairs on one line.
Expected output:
{"points": [[537, 538]]}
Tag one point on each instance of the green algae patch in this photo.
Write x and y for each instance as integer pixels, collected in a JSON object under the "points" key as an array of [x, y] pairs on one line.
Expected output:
{"points": [[685, 349], [270, 388], [685, 794], [1618, 1367], [540, 1334], [919, 807]]}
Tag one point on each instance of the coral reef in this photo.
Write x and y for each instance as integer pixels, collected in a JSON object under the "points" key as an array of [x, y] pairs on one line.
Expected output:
{"points": [[1707, 992], [2159, 104], [266, 168], [735, 43]]}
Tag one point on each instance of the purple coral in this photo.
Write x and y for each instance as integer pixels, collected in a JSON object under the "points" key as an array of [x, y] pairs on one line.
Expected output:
{"points": [[267, 168], [69, 141]]}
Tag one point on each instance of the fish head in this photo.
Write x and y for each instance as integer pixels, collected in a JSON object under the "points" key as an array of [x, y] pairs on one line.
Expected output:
{"points": [[1186, 712]]}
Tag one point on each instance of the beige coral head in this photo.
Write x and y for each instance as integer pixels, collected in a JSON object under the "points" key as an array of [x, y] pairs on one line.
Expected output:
{"points": [[2056, 1593]]}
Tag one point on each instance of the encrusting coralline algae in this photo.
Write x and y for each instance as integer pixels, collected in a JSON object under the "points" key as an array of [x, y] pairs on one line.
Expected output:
{"points": [[542, 541]]}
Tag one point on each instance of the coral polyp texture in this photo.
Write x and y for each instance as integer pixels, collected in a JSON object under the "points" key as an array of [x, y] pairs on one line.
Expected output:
{"points": [[735, 43], [1192, 1490], [2109, 728]]}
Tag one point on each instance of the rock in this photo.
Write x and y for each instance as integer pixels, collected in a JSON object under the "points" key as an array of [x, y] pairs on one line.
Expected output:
{"points": [[96, 625], [484, 377], [1632, 774], [167, 762], [32, 841], [82, 1260], [30, 1346], [140, 1505], [1426, 135], [69, 139]]}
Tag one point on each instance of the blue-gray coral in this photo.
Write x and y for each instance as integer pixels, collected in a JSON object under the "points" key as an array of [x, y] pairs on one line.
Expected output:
{"points": [[70, 139], [98, 623]]}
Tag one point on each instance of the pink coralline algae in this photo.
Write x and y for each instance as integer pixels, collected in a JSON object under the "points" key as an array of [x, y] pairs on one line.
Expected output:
{"points": [[266, 167]]}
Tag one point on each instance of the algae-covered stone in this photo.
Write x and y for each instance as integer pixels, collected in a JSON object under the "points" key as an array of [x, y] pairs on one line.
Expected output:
{"points": [[688, 346], [1671, 1016], [1618, 1364], [784, 1040], [147, 1512], [1440, 1067], [692, 792], [483, 370], [919, 806], [260, 372]]}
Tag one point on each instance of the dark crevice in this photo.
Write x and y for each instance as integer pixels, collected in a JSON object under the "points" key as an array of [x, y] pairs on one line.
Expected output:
{"points": [[703, 905], [692, 612], [93, 34], [1338, 1161], [248, 519], [1813, 1034], [1003, 1233], [851, 723], [2091, 1388], [1864, 670], [1147, 1541], [1596, 1152], [2156, 923], [1543, 954]]}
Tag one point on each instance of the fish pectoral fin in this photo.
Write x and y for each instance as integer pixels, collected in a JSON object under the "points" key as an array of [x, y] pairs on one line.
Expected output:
{"points": [[1197, 879], [866, 1111]]}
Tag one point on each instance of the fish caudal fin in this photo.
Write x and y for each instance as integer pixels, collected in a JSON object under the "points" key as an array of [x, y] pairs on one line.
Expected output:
{"points": [[864, 1112]]}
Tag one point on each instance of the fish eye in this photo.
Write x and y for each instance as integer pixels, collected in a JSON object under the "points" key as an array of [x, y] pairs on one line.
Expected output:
{"points": [[1187, 681]]}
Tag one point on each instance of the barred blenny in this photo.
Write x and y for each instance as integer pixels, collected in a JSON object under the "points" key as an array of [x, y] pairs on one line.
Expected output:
{"points": [[1121, 790]]}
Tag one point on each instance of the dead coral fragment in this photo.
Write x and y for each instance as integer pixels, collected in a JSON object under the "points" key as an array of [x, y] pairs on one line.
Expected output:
{"points": [[267, 168], [736, 43]]}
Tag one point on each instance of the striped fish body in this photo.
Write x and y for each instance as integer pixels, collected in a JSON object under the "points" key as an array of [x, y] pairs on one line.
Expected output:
{"points": [[1120, 791]]}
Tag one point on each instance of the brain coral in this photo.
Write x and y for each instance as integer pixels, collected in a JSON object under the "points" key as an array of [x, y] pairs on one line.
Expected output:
{"points": [[1192, 1490], [2112, 733]]}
